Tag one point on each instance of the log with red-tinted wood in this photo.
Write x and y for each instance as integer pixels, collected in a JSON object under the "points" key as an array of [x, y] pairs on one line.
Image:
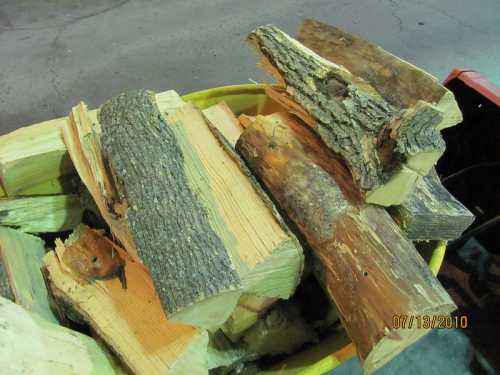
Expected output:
{"points": [[371, 271]]}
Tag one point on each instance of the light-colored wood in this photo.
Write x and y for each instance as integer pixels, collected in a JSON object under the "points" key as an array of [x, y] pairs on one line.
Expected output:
{"points": [[248, 311], [265, 253], [130, 320], [34, 158], [31, 155], [369, 269], [22, 255], [31, 345], [377, 140], [223, 119], [40, 214], [266, 256]]}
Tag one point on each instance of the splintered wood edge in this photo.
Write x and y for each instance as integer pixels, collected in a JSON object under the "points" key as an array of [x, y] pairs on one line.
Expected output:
{"points": [[75, 147], [193, 353]]}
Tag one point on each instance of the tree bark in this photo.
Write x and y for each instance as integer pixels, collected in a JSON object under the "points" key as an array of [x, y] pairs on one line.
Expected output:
{"points": [[373, 136], [369, 268], [431, 212]]}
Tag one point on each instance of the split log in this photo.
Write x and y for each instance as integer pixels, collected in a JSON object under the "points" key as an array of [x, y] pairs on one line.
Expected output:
{"points": [[22, 254], [206, 233], [281, 331], [369, 269], [98, 282], [31, 345], [248, 311], [223, 119], [41, 214], [382, 144], [32, 155], [397, 81], [431, 212]]}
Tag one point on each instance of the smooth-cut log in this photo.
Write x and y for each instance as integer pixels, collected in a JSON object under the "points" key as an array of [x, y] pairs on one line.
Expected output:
{"points": [[179, 198], [369, 268], [397, 81], [100, 284], [41, 214], [21, 255], [377, 140], [32, 155], [31, 345], [431, 212]]}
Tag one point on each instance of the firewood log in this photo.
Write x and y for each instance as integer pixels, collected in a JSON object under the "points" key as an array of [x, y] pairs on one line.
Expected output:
{"points": [[41, 214], [178, 197], [368, 267], [385, 147], [32, 345], [99, 283], [32, 155], [21, 255], [431, 213]]}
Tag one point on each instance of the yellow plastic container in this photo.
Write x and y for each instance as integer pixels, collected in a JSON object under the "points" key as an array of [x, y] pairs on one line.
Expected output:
{"points": [[251, 99]]}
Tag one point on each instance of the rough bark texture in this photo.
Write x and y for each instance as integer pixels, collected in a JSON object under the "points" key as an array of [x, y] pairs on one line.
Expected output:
{"points": [[370, 270], [399, 82], [347, 113], [186, 258], [431, 212]]}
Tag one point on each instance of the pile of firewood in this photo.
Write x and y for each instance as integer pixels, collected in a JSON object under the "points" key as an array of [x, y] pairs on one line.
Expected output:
{"points": [[152, 236]]}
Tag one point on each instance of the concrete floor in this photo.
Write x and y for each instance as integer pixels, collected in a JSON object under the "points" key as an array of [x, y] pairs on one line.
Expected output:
{"points": [[54, 53]]}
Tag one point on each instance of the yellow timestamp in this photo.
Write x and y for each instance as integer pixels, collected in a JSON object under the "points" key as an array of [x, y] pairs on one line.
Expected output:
{"points": [[404, 321]]}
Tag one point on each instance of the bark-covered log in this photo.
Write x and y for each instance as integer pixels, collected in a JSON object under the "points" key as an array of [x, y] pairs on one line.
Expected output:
{"points": [[369, 268], [431, 212], [376, 138], [398, 82], [179, 198], [96, 281]]}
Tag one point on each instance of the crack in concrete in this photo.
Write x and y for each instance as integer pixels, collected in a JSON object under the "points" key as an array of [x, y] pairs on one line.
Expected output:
{"points": [[394, 13], [11, 27], [56, 45]]}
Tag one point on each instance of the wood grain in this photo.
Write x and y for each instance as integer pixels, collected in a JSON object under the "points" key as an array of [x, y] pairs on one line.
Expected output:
{"points": [[366, 264], [130, 320]]}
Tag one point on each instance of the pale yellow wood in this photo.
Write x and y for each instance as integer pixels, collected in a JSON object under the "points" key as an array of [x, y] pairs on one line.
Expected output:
{"points": [[22, 254], [31, 345], [31, 155], [41, 214], [222, 118], [267, 257]]}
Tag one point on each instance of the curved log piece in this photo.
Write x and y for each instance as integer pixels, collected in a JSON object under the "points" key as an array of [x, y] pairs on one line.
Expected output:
{"points": [[375, 138], [367, 266]]}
